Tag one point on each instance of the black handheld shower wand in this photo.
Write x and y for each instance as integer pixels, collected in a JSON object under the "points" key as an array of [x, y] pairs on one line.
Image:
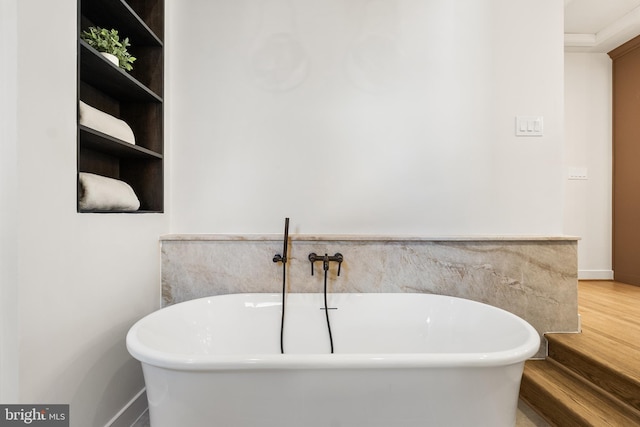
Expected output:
{"points": [[286, 240], [283, 258]]}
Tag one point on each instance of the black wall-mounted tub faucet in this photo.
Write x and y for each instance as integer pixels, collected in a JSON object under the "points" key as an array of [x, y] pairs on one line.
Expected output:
{"points": [[326, 259]]}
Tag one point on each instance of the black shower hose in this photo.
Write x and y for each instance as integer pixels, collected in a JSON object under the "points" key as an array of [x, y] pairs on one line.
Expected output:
{"points": [[326, 308], [284, 280]]}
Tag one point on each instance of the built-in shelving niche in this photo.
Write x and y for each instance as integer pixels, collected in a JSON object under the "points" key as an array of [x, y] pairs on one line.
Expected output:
{"points": [[135, 97]]}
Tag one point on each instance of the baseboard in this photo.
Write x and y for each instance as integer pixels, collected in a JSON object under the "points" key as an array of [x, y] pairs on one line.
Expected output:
{"points": [[131, 411], [595, 274]]}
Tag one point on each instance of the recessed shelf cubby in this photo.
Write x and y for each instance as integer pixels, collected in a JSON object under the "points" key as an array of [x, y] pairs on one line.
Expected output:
{"points": [[135, 97]]}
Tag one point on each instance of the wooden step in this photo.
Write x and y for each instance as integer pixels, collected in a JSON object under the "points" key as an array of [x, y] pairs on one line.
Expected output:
{"points": [[592, 378], [564, 398], [600, 360]]}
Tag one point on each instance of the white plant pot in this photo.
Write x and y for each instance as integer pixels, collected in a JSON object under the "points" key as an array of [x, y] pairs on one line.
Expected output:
{"points": [[112, 58]]}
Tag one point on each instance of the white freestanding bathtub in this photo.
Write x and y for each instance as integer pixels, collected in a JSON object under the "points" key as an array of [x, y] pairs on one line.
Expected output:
{"points": [[400, 360]]}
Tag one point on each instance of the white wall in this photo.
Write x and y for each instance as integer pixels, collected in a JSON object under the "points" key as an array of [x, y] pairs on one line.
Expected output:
{"points": [[588, 92], [382, 116], [9, 337], [84, 279]]}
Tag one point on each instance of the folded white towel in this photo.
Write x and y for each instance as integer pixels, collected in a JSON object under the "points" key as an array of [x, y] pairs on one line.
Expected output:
{"points": [[101, 193], [99, 120]]}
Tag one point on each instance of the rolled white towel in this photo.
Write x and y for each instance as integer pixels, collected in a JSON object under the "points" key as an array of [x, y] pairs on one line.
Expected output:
{"points": [[105, 194], [99, 120]]}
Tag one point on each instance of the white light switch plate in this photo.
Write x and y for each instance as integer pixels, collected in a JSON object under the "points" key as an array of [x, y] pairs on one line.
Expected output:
{"points": [[529, 126], [578, 173]]}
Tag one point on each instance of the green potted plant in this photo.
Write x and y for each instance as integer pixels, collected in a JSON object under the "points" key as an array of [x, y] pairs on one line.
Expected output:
{"points": [[108, 42]]}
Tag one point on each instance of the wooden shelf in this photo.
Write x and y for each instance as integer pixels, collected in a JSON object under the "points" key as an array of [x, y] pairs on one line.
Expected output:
{"points": [[98, 141], [118, 14], [139, 211], [98, 72]]}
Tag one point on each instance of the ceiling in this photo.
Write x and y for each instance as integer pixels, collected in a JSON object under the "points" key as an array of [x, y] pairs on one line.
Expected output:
{"points": [[600, 25]]}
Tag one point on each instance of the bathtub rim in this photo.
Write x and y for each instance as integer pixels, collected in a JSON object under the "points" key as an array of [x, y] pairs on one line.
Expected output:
{"points": [[187, 362]]}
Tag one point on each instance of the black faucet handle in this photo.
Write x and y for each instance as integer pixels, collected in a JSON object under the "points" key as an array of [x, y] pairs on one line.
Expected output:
{"points": [[312, 259], [338, 257]]}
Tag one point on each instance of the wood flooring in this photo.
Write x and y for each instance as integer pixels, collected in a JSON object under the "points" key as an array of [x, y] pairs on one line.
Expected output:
{"points": [[592, 378]]}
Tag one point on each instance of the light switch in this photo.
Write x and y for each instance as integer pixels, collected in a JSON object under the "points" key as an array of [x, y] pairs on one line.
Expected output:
{"points": [[529, 126], [578, 173], [537, 125]]}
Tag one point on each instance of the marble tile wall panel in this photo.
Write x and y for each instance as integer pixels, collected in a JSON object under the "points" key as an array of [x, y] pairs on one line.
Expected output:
{"points": [[535, 279]]}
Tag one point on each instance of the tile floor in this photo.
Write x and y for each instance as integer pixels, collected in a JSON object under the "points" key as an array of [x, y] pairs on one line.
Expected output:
{"points": [[526, 418]]}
